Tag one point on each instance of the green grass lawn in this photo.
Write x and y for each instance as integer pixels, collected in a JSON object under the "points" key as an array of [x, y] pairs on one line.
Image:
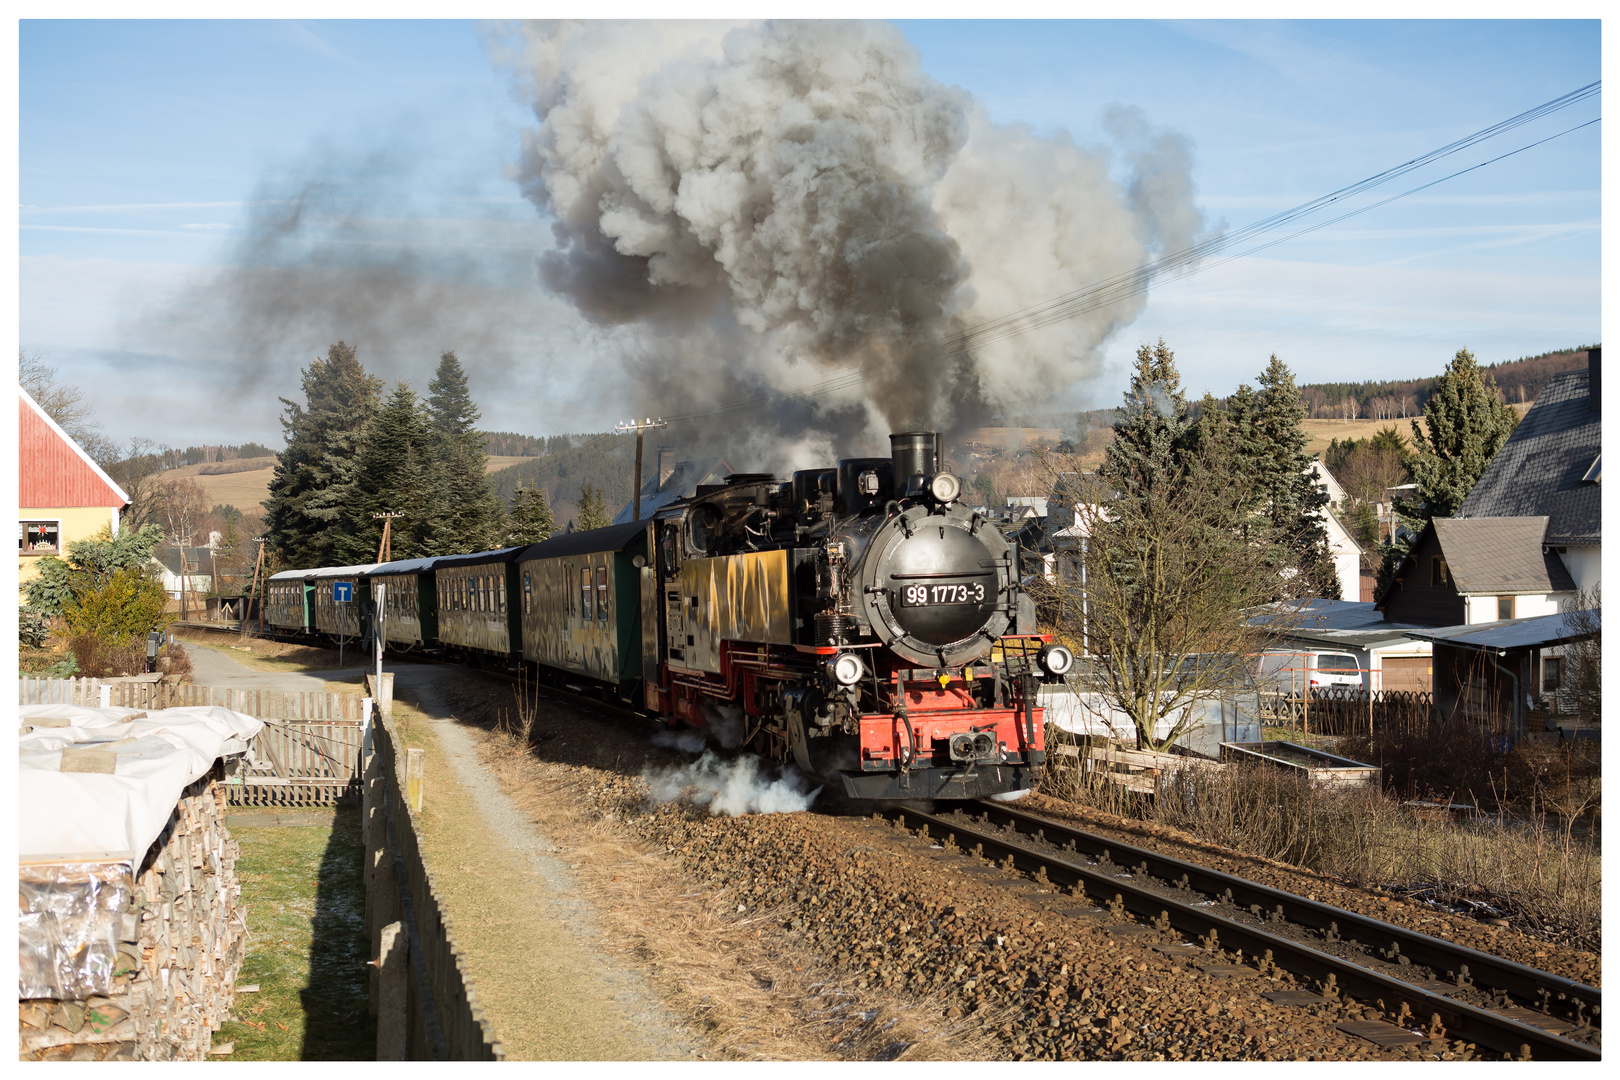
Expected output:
{"points": [[306, 946]]}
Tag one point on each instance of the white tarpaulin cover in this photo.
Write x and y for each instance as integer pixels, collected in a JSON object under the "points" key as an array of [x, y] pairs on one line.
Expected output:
{"points": [[87, 816]]}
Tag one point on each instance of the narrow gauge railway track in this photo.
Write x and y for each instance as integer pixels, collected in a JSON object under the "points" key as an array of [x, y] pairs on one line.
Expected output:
{"points": [[1339, 951]]}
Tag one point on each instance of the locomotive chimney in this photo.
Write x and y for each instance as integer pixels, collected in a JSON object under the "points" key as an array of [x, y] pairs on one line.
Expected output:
{"points": [[913, 453]]}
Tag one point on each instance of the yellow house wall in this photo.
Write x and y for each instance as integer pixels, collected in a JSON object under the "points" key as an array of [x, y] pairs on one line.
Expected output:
{"points": [[74, 523]]}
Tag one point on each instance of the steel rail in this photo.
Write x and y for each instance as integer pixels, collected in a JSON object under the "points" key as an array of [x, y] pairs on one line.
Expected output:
{"points": [[1331, 973], [1456, 962]]}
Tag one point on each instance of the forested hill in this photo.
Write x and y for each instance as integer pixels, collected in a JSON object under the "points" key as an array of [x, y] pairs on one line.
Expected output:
{"points": [[562, 463], [1519, 381], [604, 460]]}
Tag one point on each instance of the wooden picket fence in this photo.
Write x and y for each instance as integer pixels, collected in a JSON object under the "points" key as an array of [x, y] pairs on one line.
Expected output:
{"points": [[444, 1019], [307, 754]]}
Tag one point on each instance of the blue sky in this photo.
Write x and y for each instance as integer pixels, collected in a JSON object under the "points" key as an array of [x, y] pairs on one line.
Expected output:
{"points": [[146, 149]]}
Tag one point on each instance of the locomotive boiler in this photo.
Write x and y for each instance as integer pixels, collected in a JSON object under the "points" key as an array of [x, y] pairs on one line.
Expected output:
{"points": [[860, 621]]}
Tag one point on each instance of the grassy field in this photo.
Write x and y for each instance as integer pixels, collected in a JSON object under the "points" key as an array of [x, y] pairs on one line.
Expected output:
{"points": [[306, 946], [246, 490], [1323, 432]]}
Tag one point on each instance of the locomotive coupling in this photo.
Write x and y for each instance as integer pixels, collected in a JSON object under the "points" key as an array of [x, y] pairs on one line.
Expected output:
{"points": [[976, 746]]}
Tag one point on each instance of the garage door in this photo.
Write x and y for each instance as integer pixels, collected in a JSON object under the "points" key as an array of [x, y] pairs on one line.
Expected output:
{"points": [[1408, 673]]}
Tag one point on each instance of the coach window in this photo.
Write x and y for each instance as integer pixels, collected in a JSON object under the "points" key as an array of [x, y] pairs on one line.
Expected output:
{"points": [[601, 592], [38, 538], [500, 593], [526, 589], [585, 601]]}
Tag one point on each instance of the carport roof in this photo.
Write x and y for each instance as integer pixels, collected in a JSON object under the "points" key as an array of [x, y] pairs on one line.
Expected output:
{"points": [[1509, 635]]}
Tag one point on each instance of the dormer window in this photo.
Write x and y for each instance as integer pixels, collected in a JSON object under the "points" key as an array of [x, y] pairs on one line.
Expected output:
{"points": [[1594, 475]]}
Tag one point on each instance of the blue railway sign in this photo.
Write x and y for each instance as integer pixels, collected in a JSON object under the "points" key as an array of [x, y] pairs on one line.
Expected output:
{"points": [[342, 592]]}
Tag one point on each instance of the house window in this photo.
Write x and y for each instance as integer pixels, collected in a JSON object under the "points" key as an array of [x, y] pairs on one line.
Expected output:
{"points": [[601, 592], [38, 538], [1437, 571], [1552, 672], [1504, 607]]}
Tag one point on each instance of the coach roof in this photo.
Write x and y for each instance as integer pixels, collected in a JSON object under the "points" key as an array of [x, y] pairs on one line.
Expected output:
{"points": [[476, 558], [611, 538]]}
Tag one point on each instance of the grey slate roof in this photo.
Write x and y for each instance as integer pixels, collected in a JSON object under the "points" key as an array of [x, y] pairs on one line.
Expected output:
{"points": [[1540, 470], [682, 484], [1493, 556], [197, 559], [1544, 631]]}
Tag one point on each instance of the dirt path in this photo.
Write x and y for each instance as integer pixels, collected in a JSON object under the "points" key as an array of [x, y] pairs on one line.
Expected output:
{"points": [[544, 971], [546, 974]]}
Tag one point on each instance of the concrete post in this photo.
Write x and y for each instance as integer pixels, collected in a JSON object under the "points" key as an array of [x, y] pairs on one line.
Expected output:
{"points": [[383, 898], [415, 767], [393, 971], [383, 690]]}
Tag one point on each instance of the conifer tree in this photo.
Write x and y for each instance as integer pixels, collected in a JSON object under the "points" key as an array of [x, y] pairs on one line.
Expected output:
{"points": [[592, 513], [1289, 497], [304, 509], [1466, 425], [1151, 429], [464, 515], [530, 520], [393, 476]]}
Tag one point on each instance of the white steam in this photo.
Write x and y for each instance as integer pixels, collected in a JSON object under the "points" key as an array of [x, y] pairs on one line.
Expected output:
{"points": [[772, 205], [687, 742], [732, 787]]}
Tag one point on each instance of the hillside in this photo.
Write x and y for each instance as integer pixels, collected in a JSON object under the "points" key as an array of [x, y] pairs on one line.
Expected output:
{"points": [[247, 484]]}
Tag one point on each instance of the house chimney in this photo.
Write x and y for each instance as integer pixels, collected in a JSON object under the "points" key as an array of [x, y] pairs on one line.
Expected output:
{"points": [[1594, 379], [666, 464]]}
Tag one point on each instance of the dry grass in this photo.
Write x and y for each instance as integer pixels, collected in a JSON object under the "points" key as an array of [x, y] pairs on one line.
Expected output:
{"points": [[1542, 870], [753, 988], [262, 654], [757, 992]]}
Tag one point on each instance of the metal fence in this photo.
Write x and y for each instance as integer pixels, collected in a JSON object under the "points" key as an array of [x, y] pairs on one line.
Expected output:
{"points": [[1347, 710]]}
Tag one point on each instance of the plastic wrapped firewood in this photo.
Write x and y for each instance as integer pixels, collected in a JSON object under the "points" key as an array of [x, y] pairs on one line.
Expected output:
{"points": [[143, 970]]}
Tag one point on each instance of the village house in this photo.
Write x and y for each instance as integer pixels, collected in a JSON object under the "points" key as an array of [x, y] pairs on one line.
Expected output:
{"points": [[1498, 583], [62, 494]]}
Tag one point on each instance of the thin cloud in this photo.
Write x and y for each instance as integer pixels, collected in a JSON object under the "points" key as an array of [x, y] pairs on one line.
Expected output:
{"points": [[318, 44]]}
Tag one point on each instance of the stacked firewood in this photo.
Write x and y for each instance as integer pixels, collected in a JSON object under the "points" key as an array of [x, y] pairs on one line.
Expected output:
{"points": [[181, 938]]}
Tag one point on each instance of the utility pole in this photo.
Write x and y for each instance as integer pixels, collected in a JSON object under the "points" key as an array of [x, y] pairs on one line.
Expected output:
{"points": [[385, 550], [248, 603], [639, 427]]}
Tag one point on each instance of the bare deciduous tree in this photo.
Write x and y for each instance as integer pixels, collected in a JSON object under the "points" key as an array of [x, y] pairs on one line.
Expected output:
{"points": [[1585, 658], [1165, 600]]}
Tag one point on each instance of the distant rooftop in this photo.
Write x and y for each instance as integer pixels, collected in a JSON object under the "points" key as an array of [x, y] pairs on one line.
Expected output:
{"points": [[682, 483]]}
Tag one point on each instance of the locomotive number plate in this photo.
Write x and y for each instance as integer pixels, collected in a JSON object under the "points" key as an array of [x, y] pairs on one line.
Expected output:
{"points": [[932, 595]]}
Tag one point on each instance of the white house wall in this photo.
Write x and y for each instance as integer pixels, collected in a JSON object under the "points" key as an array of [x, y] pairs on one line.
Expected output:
{"points": [[1482, 609], [1585, 565]]}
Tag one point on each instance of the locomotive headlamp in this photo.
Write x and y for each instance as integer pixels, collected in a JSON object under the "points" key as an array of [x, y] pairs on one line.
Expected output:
{"points": [[945, 487], [846, 669], [1056, 659]]}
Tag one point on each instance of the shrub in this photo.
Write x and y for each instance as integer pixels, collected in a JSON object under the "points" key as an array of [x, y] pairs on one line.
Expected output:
{"points": [[130, 604], [33, 627], [175, 660], [99, 658]]}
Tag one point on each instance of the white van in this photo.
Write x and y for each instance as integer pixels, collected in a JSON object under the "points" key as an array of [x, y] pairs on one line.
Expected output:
{"points": [[1294, 670]]}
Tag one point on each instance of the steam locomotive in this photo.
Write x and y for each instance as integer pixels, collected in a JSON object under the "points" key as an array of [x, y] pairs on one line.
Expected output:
{"points": [[860, 621]]}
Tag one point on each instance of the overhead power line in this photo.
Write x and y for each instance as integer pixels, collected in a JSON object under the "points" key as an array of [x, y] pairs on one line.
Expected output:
{"points": [[1132, 283]]}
